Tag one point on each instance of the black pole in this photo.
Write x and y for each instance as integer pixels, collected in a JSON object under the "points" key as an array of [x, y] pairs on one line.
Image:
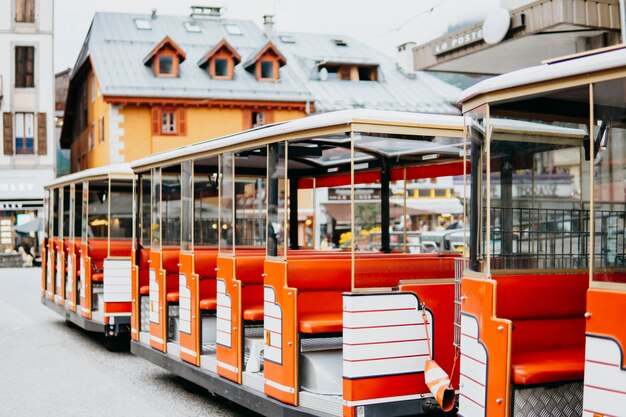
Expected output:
{"points": [[272, 199], [293, 213], [475, 204], [385, 176], [506, 203]]}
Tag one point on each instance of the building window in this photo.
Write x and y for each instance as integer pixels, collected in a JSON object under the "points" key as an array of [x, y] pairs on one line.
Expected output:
{"points": [[90, 139], [101, 129], [168, 122], [93, 87], [221, 68], [258, 118], [25, 11], [24, 66], [267, 70], [24, 133], [166, 66]]}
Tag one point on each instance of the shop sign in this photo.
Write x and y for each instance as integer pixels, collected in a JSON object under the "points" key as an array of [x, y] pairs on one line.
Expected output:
{"points": [[343, 194], [458, 41]]}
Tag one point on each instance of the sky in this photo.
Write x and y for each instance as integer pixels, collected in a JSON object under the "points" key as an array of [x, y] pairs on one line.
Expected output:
{"points": [[383, 24]]}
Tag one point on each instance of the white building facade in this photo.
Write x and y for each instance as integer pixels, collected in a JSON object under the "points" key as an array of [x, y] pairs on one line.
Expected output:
{"points": [[27, 159]]}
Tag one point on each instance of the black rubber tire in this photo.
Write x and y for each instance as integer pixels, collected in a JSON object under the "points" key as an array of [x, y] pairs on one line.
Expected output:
{"points": [[117, 343]]}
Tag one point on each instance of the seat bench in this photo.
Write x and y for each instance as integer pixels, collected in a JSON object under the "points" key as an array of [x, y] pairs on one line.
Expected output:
{"points": [[548, 339], [322, 282]]}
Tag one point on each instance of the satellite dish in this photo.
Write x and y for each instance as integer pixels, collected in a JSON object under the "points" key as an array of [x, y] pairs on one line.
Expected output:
{"points": [[496, 26], [323, 74]]}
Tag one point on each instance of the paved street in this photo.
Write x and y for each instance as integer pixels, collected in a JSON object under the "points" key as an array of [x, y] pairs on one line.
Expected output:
{"points": [[50, 369]]}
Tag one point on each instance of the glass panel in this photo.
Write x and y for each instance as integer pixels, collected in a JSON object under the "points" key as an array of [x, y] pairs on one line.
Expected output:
{"points": [[609, 176], [250, 211], [97, 216], [55, 212], [538, 216], [475, 131], [226, 203], [206, 205], [155, 208], [171, 207], [85, 212], [66, 211], [78, 210], [72, 211], [186, 188], [145, 202], [120, 215], [276, 199]]}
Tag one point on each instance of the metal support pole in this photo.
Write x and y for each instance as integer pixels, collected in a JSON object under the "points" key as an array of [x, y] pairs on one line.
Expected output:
{"points": [[293, 214], [385, 176], [475, 196]]}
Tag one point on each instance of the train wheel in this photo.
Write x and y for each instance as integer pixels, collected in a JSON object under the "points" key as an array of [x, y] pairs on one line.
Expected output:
{"points": [[118, 343]]}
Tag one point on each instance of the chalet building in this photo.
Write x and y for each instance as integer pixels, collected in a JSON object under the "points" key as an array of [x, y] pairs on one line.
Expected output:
{"points": [[147, 83], [27, 117]]}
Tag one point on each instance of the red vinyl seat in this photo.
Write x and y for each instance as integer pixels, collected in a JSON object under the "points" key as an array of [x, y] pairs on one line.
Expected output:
{"points": [[540, 367], [253, 313], [144, 290], [208, 304], [172, 297]]}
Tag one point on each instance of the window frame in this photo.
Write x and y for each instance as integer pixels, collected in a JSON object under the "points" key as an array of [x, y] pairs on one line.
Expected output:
{"points": [[173, 122], [25, 19], [24, 138], [23, 75], [157, 65], [229, 67], [274, 63]]}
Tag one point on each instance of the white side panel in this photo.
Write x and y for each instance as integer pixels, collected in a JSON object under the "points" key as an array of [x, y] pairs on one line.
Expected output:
{"points": [[273, 326], [154, 297], [224, 322], [58, 274], [473, 370], [605, 380], [69, 282], [49, 274], [82, 277], [184, 304], [384, 334], [117, 280]]}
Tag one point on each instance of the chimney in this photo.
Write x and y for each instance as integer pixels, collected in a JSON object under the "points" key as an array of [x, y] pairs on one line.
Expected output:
{"points": [[268, 26], [405, 57], [211, 12]]}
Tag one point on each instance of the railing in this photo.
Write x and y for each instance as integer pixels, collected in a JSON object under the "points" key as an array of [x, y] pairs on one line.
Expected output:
{"points": [[540, 238], [460, 264]]}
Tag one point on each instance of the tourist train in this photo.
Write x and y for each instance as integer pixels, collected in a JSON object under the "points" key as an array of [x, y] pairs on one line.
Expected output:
{"points": [[223, 264]]}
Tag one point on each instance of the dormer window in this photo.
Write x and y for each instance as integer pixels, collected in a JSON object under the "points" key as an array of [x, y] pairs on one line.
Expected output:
{"points": [[166, 65], [220, 61], [265, 63], [268, 70], [165, 58], [348, 72]]}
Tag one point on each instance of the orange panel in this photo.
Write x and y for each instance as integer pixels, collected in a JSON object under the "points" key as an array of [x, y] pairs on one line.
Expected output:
{"points": [[229, 356], [282, 378], [85, 298], [51, 269], [117, 307], [44, 265], [135, 307], [70, 296], [59, 290], [158, 331], [608, 309], [191, 340], [495, 334]]}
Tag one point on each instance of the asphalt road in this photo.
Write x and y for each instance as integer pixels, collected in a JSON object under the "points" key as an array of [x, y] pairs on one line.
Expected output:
{"points": [[50, 369]]}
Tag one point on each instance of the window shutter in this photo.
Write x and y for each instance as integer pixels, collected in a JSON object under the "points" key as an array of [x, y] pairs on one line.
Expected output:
{"points": [[182, 121], [8, 133], [156, 121], [42, 134]]}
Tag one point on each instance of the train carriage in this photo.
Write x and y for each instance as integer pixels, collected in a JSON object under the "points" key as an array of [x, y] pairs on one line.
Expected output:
{"points": [[544, 293], [86, 276], [231, 293]]}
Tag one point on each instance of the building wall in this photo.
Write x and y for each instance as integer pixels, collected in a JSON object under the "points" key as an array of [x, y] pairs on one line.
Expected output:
{"points": [[129, 136], [22, 177]]}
